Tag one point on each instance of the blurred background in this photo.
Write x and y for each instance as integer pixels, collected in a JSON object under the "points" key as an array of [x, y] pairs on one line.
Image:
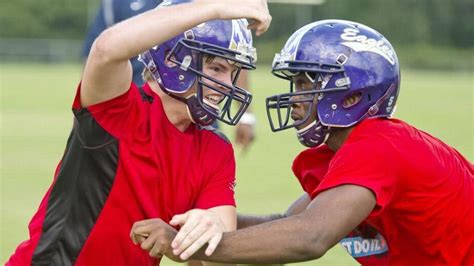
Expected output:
{"points": [[41, 64], [431, 34]]}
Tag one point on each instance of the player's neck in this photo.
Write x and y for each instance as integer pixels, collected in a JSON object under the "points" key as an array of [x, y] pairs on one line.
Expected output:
{"points": [[175, 110], [337, 137]]}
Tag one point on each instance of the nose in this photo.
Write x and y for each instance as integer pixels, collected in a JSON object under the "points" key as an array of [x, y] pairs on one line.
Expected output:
{"points": [[224, 79]]}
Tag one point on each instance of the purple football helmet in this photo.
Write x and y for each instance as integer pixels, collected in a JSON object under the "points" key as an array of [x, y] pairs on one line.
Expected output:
{"points": [[177, 65], [341, 58]]}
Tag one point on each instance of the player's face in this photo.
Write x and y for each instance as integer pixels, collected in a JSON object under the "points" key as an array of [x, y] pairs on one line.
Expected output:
{"points": [[219, 69], [299, 110]]}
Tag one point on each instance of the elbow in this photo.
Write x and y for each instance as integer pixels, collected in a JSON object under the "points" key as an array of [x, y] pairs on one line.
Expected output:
{"points": [[310, 249], [102, 50], [312, 243], [316, 249]]}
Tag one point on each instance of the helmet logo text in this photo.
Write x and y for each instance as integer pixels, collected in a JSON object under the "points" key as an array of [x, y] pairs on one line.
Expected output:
{"points": [[361, 43], [390, 103]]}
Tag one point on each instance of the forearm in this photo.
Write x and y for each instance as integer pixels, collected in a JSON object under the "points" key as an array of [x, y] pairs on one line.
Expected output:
{"points": [[296, 241], [108, 71], [137, 34], [305, 236], [244, 221]]}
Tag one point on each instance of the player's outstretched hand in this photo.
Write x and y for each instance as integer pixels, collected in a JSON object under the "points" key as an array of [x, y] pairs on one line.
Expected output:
{"points": [[198, 227], [254, 10], [154, 236]]}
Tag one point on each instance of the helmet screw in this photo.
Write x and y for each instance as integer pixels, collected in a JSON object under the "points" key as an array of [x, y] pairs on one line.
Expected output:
{"points": [[181, 77], [334, 106], [326, 116]]}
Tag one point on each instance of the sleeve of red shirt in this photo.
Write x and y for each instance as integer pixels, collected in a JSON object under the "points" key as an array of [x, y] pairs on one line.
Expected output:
{"points": [[219, 187], [311, 165], [368, 163], [115, 116]]}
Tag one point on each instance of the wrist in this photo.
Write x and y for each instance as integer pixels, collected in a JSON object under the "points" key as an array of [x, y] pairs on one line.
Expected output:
{"points": [[208, 10], [214, 9]]}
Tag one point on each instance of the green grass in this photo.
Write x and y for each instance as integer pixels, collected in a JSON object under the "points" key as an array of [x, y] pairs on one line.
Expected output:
{"points": [[36, 119]]}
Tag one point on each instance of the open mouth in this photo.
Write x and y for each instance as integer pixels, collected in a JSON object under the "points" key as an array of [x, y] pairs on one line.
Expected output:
{"points": [[213, 100], [298, 120]]}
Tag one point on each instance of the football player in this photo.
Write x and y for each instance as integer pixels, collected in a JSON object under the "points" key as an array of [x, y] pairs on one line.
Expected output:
{"points": [[137, 153], [112, 12], [389, 193]]}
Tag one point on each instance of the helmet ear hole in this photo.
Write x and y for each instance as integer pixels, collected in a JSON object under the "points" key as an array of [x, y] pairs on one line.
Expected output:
{"points": [[169, 58], [352, 99]]}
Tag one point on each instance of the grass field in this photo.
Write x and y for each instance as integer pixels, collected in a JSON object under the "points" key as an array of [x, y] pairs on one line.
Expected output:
{"points": [[36, 119]]}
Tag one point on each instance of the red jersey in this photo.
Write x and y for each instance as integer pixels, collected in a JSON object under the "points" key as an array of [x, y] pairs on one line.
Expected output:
{"points": [[124, 162], [424, 193]]}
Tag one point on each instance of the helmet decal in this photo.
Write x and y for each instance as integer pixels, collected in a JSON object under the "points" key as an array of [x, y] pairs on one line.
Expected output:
{"points": [[362, 43], [242, 41], [240, 34], [291, 46]]}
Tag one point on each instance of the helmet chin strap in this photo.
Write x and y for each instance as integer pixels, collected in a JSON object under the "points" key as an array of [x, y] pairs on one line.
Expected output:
{"points": [[196, 112], [313, 134]]}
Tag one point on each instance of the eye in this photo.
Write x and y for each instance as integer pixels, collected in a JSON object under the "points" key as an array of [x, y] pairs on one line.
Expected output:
{"points": [[215, 68], [302, 84], [299, 83]]}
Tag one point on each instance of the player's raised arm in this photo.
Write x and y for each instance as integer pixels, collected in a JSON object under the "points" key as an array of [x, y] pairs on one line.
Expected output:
{"points": [[108, 73]]}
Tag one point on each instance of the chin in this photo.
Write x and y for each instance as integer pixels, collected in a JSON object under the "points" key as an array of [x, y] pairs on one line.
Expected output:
{"points": [[304, 125]]}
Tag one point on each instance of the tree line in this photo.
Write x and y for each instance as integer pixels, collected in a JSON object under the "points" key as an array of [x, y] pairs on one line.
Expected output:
{"points": [[436, 22]]}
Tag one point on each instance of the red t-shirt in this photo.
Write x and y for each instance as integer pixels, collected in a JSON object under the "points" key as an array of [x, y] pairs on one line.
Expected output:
{"points": [[424, 193], [124, 162]]}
